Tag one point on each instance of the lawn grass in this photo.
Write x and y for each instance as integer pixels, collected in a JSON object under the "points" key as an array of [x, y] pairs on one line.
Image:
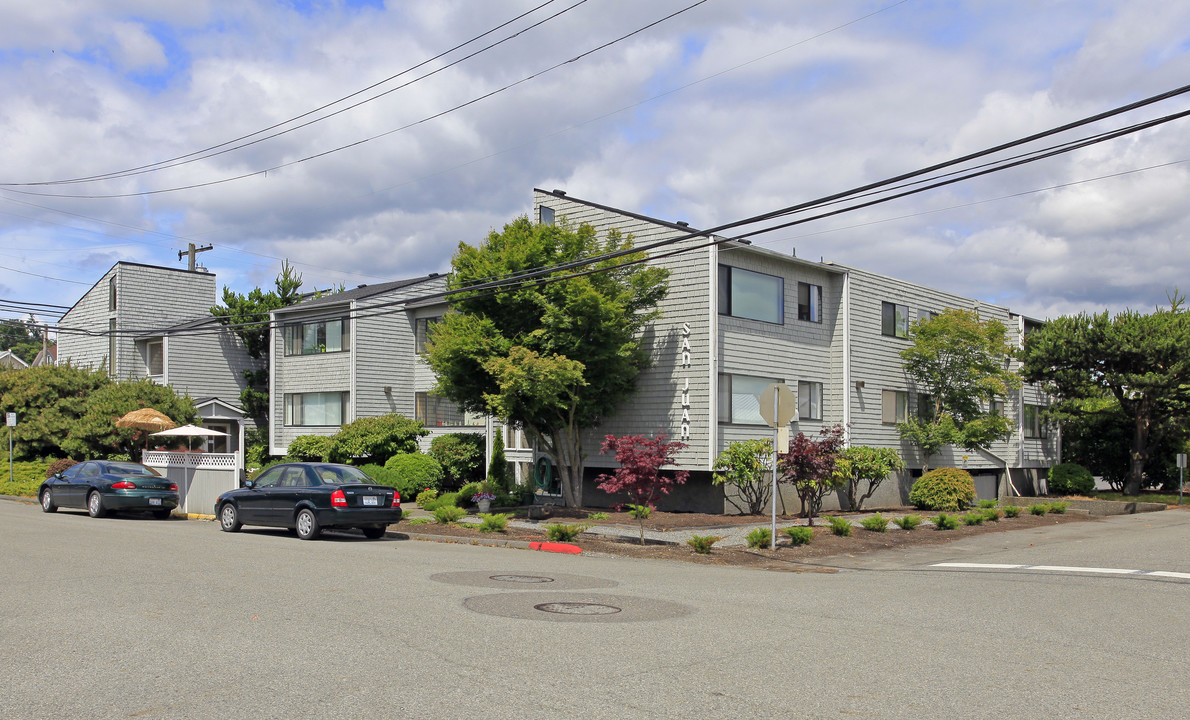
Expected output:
{"points": [[1155, 497]]}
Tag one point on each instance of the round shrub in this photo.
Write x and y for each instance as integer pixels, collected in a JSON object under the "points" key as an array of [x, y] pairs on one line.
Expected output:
{"points": [[1070, 479], [411, 473], [58, 466], [943, 489], [311, 448]]}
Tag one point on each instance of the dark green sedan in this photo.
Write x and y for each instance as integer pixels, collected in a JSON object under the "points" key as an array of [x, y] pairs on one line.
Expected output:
{"points": [[101, 486]]}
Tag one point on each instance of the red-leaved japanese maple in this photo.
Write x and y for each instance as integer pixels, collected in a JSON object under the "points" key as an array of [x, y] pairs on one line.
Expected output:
{"points": [[639, 475]]}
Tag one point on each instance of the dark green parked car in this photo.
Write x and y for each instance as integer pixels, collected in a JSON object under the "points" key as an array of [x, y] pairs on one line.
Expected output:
{"points": [[101, 486]]}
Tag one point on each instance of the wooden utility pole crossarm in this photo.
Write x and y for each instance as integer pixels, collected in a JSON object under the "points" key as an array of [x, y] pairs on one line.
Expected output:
{"points": [[193, 252]]}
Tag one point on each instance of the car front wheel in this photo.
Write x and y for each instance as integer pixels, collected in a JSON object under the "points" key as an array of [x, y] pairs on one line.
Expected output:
{"points": [[95, 505], [229, 519], [47, 501], [307, 524]]}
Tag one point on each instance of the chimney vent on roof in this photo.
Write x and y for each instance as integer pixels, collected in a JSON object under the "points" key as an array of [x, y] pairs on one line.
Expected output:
{"points": [[364, 285], [793, 252], [683, 223], [433, 274], [559, 192]]}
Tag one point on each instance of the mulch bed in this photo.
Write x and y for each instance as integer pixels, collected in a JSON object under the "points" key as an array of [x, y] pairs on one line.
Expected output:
{"points": [[804, 558]]}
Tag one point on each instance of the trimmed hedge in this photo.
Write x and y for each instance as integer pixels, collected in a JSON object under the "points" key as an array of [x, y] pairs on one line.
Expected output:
{"points": [[943, 489], [412, 473], [1070, 479]]}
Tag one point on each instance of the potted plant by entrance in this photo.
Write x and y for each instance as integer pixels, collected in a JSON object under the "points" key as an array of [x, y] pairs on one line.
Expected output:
{"points": [[483, 500]]}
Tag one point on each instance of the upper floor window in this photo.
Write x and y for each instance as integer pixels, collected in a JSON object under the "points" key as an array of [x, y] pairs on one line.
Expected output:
{"points": [[925, 407], [894, 406], [752, 295], [317, 409], [312, 338], [1032, 422], [809, 401], [547, 215], [422, 331], [809, 302], [155, 358], [739, 398], [111, 347], [894, 320], [111, 293], [925, 315]]}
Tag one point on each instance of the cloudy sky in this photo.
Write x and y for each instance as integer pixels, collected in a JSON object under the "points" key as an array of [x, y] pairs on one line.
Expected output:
{"points": [[728, 109]]}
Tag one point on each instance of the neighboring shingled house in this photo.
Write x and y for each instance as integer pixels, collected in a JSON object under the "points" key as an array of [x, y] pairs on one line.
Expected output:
{"points": [[147, 321]]}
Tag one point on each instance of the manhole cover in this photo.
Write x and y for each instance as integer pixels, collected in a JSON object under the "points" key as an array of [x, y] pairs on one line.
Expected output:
{"points": [[522, 578], [577, 608]]}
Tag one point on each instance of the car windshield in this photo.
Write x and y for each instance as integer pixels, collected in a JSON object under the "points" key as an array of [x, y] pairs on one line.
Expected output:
{"points": [[340, 475], [131, 469]]}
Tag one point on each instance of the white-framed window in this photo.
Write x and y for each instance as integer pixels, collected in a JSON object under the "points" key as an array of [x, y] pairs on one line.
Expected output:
{"points": [[894, 406], [155, 358], [894, 320], [315, 409], [1032, 423], [751, 295], [739, 398], [437, 411], [809, 400], [547, 215], [322, 336], [809, 302], [421, 331], [111, 293]]}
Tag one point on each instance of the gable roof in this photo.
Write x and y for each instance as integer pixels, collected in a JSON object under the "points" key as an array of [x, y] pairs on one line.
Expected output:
{"points": [[359, 293], [10, 359]]}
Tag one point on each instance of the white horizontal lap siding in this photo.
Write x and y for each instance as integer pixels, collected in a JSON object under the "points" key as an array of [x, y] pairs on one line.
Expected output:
{"points": [[90, 313], [656, 405], [324, 372], [153, 299], [876, 361], [793, 351], [385, 347]]}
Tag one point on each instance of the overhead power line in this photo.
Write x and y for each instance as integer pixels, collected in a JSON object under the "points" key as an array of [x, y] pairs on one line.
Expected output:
{"points": [[897, 187], [357, 143]]}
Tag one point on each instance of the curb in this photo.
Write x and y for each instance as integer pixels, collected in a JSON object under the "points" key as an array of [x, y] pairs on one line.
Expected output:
{"points": [[493, 542]]}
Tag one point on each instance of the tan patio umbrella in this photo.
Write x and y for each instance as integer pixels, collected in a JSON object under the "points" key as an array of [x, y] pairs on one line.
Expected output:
{"points": [[146, 419]]}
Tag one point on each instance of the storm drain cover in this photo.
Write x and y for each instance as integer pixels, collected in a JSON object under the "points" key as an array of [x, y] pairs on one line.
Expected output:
{"points": [[551, 605], [528, 579], [577, 608]]}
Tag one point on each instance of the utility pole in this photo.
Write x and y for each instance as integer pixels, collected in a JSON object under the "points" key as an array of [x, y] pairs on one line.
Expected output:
{"points": [[192, 252]]}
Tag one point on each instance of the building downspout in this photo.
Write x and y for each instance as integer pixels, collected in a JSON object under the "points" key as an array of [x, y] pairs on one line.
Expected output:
{"points": [[712, 355], [847, 398]]}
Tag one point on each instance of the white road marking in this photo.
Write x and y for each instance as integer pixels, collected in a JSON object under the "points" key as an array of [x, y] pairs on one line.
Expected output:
{"points": [[1065, 568]]}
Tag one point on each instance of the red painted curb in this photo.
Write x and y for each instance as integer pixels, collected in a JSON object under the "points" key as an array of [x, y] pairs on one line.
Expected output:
{"points": [[556, 547]]}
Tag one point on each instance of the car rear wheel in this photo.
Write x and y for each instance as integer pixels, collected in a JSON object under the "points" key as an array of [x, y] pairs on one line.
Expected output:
{"points": [[373, 533], [229, 519], [47, 501], [95, 505], [162, 514], [307, 524]]}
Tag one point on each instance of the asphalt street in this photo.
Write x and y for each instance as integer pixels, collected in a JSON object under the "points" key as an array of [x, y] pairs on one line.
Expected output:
{"points": [[135, 618]]}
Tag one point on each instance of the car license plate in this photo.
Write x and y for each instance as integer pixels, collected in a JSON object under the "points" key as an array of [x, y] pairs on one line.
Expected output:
{"points": [[371, 500], [154, 501]]}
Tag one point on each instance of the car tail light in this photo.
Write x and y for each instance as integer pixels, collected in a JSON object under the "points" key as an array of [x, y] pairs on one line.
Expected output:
{"points": [[124, 485], [396, 499], [173, 487], [338, 499]]}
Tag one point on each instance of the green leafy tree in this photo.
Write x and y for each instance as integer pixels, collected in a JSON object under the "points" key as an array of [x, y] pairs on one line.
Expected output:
{"points": [[248, 315], [960, 362], [746, 465], [48, 401], [94, 433], [555, 358], [1142, 361], [461, 456], [862, 469], [376, 439], [23, 337]]}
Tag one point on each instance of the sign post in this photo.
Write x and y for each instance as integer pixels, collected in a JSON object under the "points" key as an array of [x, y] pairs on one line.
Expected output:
{"points": [[777, 406], [11, 421], [1181, 475]]}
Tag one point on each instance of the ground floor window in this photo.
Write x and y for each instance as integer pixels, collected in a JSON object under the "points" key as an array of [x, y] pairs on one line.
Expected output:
{"points": [[320, 409], [809, 401], [739, 398], [894, 406]]}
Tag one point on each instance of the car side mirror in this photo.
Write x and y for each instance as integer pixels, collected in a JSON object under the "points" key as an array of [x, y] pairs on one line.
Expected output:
{"points": [[250, 484]]}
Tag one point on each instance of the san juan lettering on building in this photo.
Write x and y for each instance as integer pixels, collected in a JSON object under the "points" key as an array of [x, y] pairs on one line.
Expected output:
{"points": [[685, 350]]}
